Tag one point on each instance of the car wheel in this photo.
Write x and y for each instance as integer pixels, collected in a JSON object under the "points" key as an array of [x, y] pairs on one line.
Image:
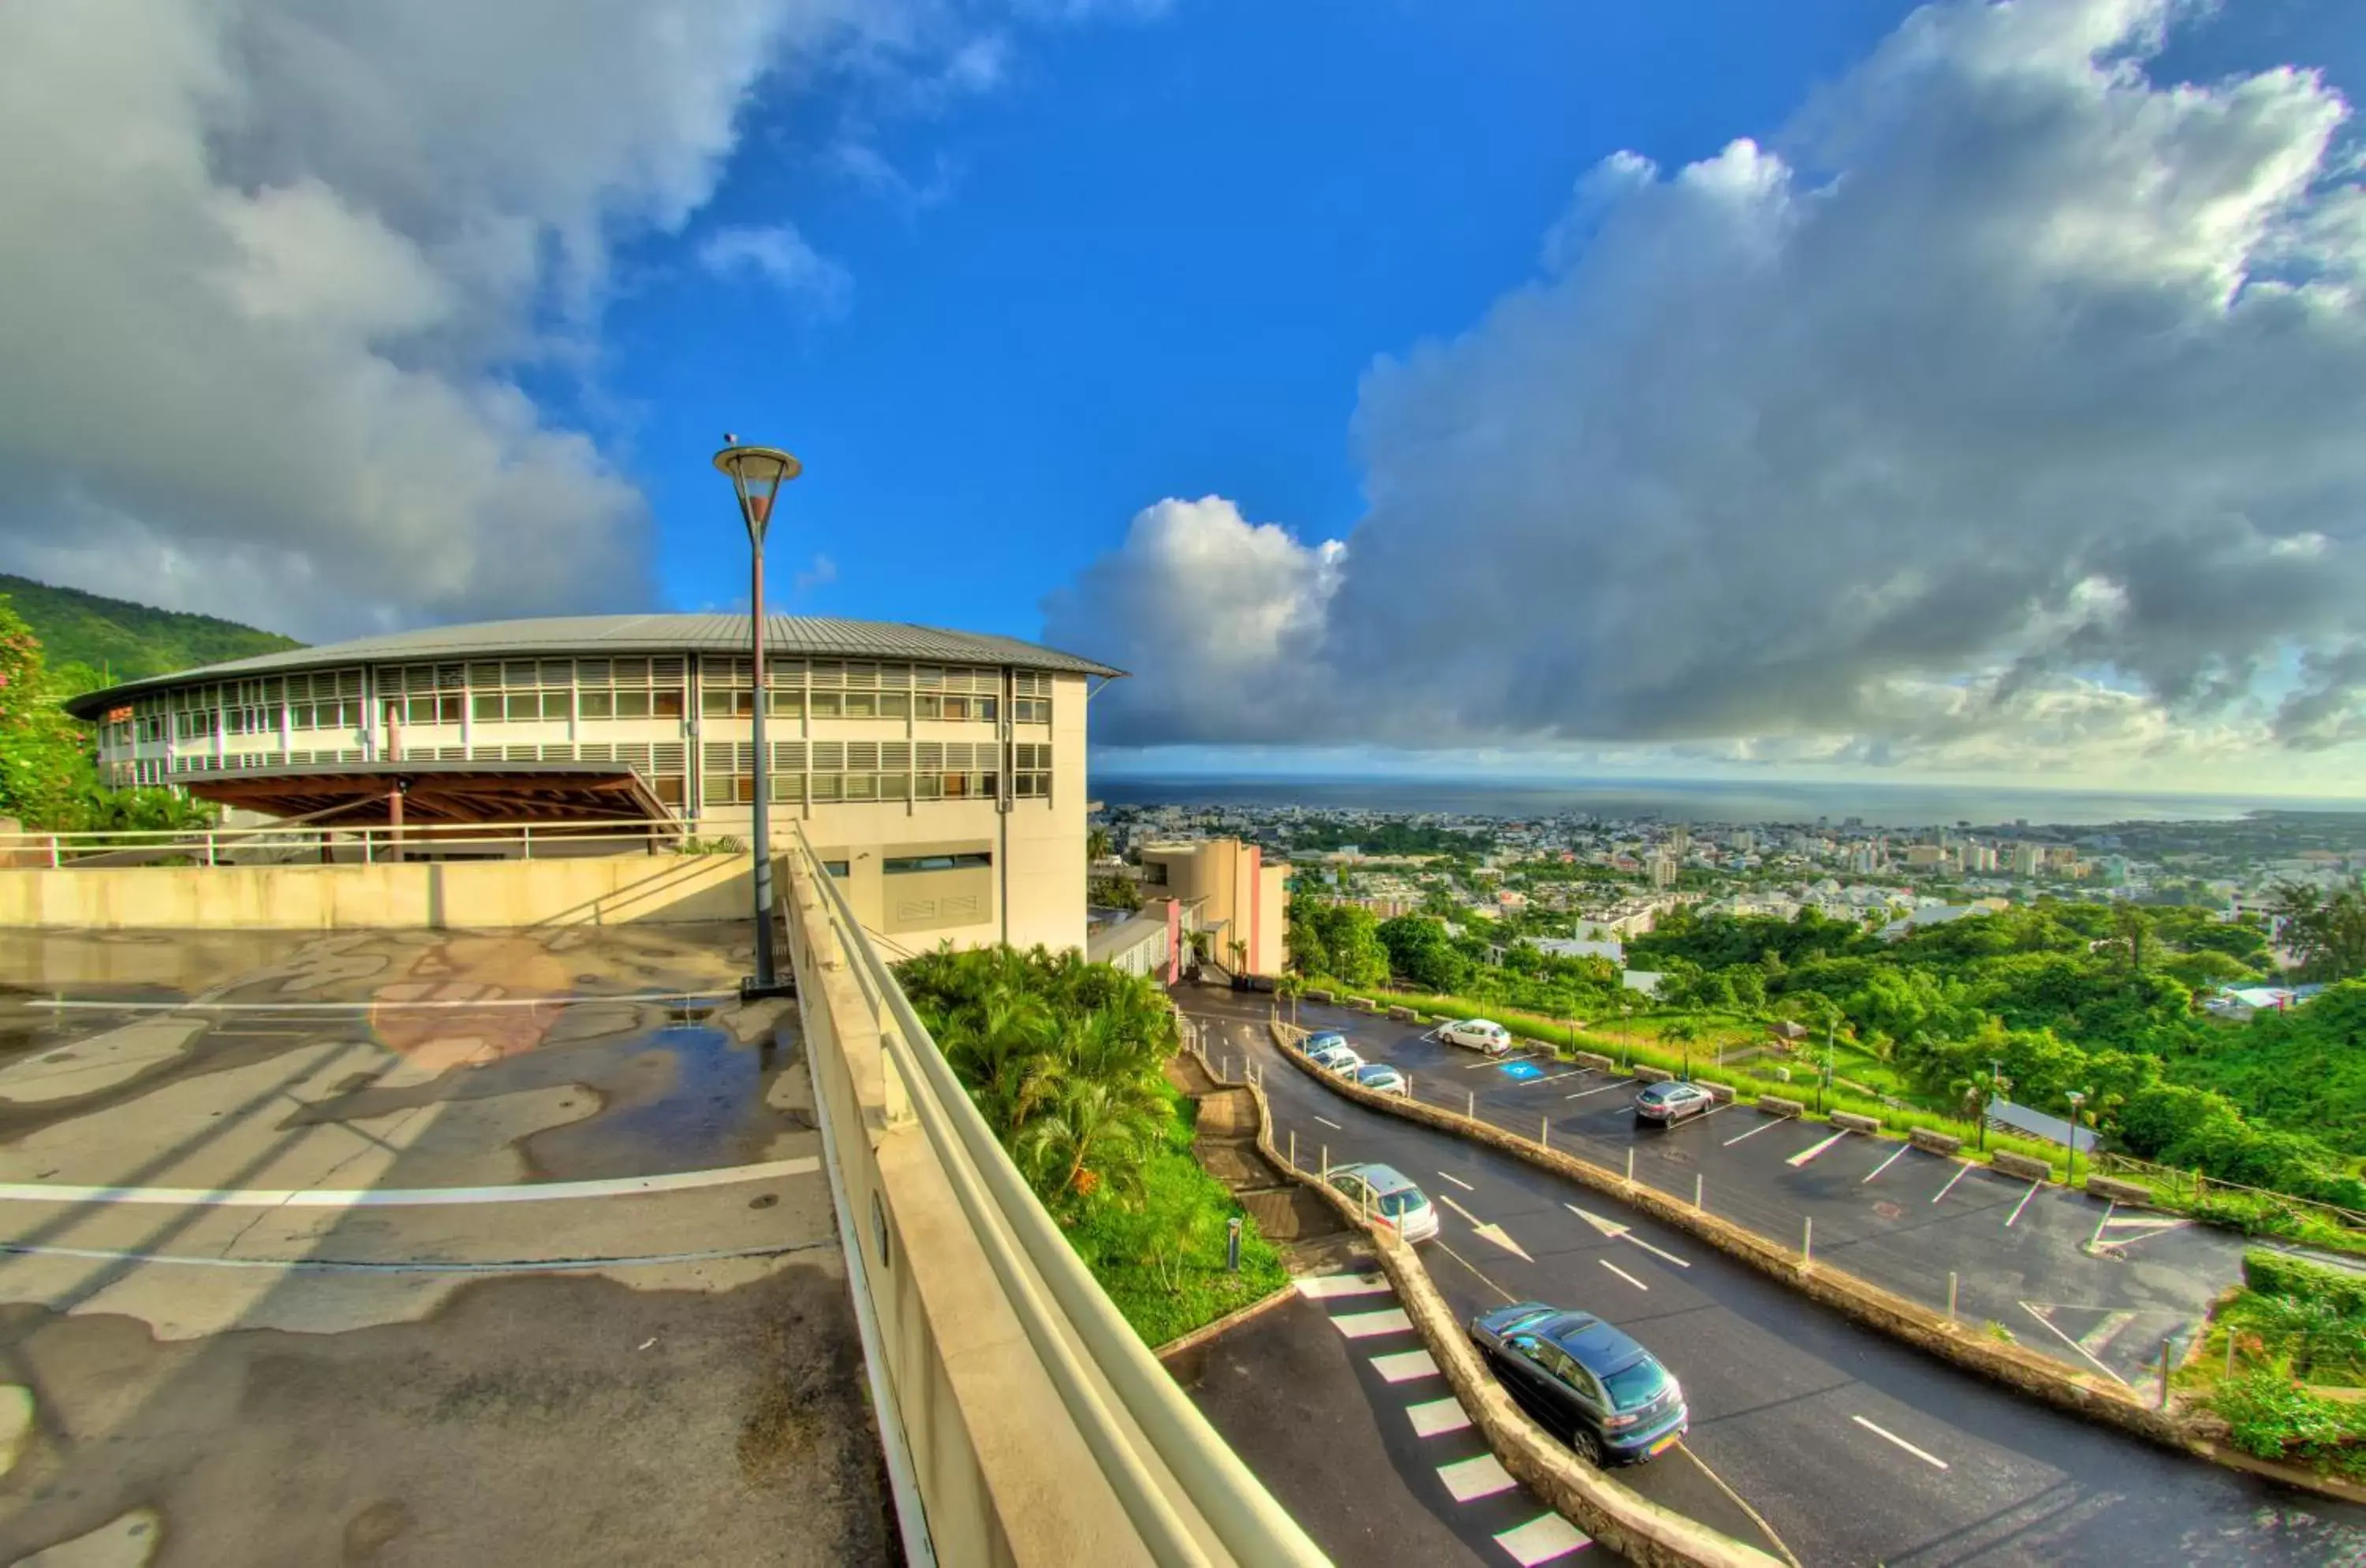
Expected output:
{"points": [[1586, 1446]]}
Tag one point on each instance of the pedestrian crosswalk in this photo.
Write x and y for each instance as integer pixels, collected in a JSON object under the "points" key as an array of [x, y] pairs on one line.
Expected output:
{"points": [[1470, 1476]]}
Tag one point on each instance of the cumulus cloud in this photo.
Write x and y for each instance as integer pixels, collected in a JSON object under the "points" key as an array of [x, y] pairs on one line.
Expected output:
{"points": [[2004, 406], [273, 270], [778, 254]]}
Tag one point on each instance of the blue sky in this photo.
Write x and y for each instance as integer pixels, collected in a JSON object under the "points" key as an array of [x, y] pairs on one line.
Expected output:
{"points": [[1846, 389]]}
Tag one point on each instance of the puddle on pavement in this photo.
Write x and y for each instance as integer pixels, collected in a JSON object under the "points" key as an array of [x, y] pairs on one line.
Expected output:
{"points": [[708, 1108]]}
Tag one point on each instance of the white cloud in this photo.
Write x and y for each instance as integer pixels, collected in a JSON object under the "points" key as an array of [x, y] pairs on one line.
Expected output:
{"points": [[778, 254], [2001, 412]]}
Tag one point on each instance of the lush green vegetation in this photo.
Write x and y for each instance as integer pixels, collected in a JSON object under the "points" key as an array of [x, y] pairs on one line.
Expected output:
{"points": [[93, 640], [48, 775], [1065, 1061], [2295, 1328], [1387, 839], [2030, 1003]]}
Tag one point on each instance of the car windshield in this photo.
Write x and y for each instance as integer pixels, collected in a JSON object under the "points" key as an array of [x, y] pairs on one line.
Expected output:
{"points": [[1630, 1388]]}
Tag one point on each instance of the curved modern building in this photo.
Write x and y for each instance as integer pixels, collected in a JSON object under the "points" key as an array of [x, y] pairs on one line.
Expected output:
{"points": [[942, 773]]}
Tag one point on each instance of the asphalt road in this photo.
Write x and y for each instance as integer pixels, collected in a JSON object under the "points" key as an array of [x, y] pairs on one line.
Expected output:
{"points": [[1856, 1449], [2101, 1287]]}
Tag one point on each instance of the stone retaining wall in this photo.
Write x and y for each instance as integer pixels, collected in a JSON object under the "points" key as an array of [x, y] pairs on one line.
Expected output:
{"points": [[1652, 1075], [2004, 1162], [1854, 1123], [2119, 1191], [1775, 1105], [1929, 1140]]}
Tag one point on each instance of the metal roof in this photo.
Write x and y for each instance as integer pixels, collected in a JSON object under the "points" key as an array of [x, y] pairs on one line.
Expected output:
{"points": [[793, 636]]}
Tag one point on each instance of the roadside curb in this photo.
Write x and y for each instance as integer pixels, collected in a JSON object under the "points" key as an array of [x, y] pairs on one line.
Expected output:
{"points": [[1908, 1321], [1231, 1320], [1603, 1507]]}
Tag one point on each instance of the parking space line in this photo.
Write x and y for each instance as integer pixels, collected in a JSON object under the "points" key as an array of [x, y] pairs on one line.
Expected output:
{"points": [[1364, 1325], [1598, 1088], [2073, 1343], [1332, 1125], [1404, 1366], [1471, 1479], [1556, 1078], [1675, 1126], [1622, 1273], [1927, 1457], [1457, 1181], [1436, 1416], [2108, 1211], [1542, 1539], [2025, 1197], [1766, 1126], [1962, 1169], [1812, 1150], [1885, 1164]]}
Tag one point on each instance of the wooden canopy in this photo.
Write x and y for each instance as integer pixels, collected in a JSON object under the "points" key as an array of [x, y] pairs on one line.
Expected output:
{"points": [[354, 794]]}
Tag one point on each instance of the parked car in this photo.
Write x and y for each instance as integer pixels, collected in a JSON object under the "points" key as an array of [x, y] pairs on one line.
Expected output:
{"points": [[1342, 1060], [1585, 1380], [1323, 1041], [1667, 1103], [1389, 1196], [1478, 1034], [1380, 1077]]}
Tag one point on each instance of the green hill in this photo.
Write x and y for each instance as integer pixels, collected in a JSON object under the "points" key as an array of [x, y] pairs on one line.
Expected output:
{"points": [[128, 641]]}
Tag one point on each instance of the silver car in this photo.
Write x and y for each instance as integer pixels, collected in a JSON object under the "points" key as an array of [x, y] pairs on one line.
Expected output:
{"points": [[1386, 1195]]}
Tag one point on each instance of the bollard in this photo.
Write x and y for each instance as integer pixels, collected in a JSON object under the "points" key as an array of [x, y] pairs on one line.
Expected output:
{"points": [[1326, 1162], [1293, 1148], [1951, 1295], [1471, 1105], [1631, 1167], [1544, 1132], [1808, 1241], [1408, 1086], [1232, 1245], [1699, 1179]]}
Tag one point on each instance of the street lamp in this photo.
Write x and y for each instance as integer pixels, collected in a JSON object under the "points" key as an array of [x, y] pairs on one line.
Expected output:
{"points": [[757, 474], [2077, 1100]]}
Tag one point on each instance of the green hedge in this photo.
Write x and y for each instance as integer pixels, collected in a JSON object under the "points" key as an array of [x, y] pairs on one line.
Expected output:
{"points": [[2279, 1274], [2270, 1416]]}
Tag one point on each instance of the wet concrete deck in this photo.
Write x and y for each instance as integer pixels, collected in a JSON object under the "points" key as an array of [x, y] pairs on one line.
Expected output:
{"points": [[268, 1283]]}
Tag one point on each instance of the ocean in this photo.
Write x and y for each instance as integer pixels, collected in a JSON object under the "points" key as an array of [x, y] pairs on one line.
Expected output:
{"points": [[1717, 800]]}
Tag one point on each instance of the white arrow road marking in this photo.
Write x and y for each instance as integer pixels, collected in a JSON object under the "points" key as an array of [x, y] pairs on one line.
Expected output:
{"points": [[1928, 1459], [1622, 1273], [1812, 1150], [1457, 1181], [1623, 1232], [1493, 1233]]}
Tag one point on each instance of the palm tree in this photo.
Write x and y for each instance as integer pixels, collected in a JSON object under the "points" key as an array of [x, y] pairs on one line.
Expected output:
{"points": [[1097, 844], [1094, 1134], [1683, 1031]]}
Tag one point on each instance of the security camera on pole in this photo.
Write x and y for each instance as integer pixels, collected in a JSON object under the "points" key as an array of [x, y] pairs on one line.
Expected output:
{"points": [[757, 474]]}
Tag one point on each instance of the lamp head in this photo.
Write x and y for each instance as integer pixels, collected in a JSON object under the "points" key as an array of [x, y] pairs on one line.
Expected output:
{"points": [[757, 474]]}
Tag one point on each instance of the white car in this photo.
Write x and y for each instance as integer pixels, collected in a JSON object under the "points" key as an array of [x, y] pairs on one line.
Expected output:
{"points": [[1478, 1034], [1340, 1059]]}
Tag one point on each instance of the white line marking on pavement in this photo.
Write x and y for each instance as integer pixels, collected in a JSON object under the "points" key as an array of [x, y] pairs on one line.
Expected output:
{"points": [[1962, 1170], [1622, 1273], [1437, 1417], [1556, 1078], [2144, 1225], [401, 1196], [1885, 1164], [1457, 1181], [399, 1266], [2103, 1332], [1364, 1325], [1599, 1089], [1812, 1150], [1493, 1233], [2072, 1343], [1474, 1478], [1928, 1459], [1322, 1287], [2025, 1197], [1332, 1125], [1404, 1366], [2106, 1219], [1623, 1232], [1542, 1539], [65, 1004], [1765, 1126]]}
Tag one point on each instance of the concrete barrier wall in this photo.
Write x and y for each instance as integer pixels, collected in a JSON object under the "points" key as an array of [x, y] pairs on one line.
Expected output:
{"points": [[1005, 1475], [434, 895]]}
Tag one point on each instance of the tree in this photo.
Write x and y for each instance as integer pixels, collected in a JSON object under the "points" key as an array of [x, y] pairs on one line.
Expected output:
{"points": [[44, 772], [1097, 844], [1419, 951], [2327, 929]]}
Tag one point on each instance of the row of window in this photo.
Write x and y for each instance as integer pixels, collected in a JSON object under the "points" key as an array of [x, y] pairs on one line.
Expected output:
{"points": [[904, 865], [740, 702], [830, 789]]}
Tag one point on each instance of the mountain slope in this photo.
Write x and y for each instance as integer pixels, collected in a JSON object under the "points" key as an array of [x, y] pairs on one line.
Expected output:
{"points": [[125, 640]]}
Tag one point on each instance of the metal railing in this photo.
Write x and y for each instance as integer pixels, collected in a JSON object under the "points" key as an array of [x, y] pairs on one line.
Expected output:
{"points": [[1062, 1309], [327, 843]]}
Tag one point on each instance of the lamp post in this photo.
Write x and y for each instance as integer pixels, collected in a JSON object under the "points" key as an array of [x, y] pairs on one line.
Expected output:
{"points": [[2077, 1100], [757, 474]]}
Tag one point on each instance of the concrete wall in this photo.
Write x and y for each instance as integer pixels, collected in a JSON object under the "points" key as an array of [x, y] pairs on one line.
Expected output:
{"points": [[464, 894], [1237, 891]]}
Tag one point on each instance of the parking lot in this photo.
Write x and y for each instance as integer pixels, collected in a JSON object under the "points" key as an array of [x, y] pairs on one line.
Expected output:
{"points": [[418, 1248]]}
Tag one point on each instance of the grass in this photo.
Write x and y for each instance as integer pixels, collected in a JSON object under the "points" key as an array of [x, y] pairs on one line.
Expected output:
{"points": [[1160, 1255]]}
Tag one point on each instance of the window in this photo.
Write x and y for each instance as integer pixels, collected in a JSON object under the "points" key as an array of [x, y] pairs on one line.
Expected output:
{"points": [[861, 704], [835, 868], [1030, 710], [894, 704], [557, 704], [671, 788], [667, 701], [1030, 770], [523, 706], [486, 707], [827, 704], [596, 704], [899, 866], [635, 705], [955, 707], [727, 704], [788, 702]]}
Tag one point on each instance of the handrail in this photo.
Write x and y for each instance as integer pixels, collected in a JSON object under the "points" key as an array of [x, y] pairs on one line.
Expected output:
{"points": [[112, 836], [1244, 1517], [132, 846]]}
